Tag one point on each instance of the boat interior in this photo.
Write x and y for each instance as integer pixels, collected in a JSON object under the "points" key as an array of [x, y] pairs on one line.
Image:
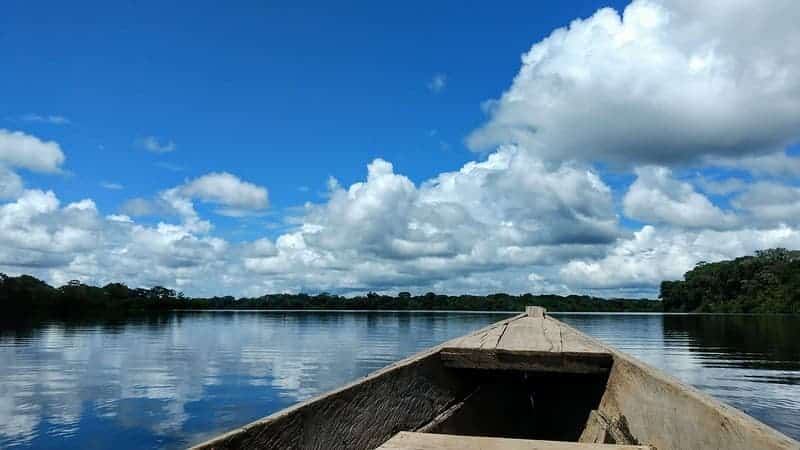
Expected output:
{"points": [[522, 405], [524, 381]]}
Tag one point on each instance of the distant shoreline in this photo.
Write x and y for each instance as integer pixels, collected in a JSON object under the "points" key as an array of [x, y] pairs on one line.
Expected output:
{"points": [[462, 311], [27, 295], [767, 283]]}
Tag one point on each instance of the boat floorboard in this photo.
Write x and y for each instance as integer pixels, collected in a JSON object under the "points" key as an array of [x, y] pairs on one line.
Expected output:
{"points": [[426, 441]]}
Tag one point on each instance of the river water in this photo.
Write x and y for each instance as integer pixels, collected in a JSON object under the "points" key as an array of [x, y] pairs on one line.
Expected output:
{"points": [[172, 380]]}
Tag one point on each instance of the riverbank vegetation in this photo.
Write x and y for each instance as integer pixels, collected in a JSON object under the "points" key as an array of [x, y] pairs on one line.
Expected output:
{"points": [[25, 295], [768, 282]]}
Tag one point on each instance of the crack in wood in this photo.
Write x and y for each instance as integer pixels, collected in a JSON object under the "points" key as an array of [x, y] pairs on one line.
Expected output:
{"points": [[505, 327]]}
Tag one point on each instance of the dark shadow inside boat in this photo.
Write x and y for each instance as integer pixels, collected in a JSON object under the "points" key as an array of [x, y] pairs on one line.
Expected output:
{"points": [[524, 405]]}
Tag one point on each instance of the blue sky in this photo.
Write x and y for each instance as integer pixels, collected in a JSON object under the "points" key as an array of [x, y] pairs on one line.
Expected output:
{"points": [[281, 94], [282, 97]]}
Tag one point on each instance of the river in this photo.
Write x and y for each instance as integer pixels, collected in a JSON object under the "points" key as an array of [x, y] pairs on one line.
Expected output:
{"points": [[171, 380]]}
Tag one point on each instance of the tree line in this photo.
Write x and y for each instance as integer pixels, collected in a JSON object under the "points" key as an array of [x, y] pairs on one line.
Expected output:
{"points": [[27, 295], [767, 282]]}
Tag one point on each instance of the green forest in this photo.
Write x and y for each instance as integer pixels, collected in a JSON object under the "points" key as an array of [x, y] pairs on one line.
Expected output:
{"points": [[26, 295], [768, 282]]}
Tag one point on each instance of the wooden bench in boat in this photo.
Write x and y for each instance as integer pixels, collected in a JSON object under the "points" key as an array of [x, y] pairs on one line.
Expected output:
{"points": [[533, 342], [425, 441]]}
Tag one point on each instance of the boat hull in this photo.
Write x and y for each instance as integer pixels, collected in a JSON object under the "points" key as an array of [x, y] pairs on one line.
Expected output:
{"points": [[623, 400]]}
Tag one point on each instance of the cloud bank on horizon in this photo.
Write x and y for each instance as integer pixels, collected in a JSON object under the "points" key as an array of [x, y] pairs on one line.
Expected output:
{"points": [[697, 102]]}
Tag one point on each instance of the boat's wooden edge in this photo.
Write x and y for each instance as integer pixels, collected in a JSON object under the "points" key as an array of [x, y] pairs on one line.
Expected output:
{"points": [[217, 441], [423, 441], [627, 368]]}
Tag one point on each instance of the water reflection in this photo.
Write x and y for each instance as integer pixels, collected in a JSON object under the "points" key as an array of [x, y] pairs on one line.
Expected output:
{"points": [[171, 380], [175, 379]]}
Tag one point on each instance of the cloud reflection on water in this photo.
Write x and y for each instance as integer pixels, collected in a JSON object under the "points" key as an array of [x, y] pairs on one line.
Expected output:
{"points": [[172, 380]]}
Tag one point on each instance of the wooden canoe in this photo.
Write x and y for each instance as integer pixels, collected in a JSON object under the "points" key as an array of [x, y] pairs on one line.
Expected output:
{"points": [[526, 383]]}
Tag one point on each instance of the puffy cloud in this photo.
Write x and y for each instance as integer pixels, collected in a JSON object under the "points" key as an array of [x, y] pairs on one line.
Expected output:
{"points": [[260, 248], [769, 202], [652, 255], [667, 82], [138, 207], [18, 149], [10, 183], [153, 144], [39, 236], [509, 223], [174, 201], [772, 164], [656, 197], [508, 211], [119, 218], [236, 197], [59, 243], [369, 215], [36, 232], [721, 186]]}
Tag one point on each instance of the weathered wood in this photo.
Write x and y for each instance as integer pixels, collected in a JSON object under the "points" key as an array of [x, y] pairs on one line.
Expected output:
{"points": [[530, 344], [576, 343], [361, 415], [443, 417], [535, 311], [596, 429], [532, 334], [668, 414], [487, 339], [528, 334], [465, 358], [604, 430], [425, 441]]}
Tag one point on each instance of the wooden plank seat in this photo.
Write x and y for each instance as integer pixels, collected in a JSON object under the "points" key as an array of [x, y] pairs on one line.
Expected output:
{"points": [[426, 441], [534, 342]]}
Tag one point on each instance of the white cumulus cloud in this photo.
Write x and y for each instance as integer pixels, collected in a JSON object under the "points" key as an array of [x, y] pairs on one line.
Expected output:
{"points": [[386, 232], [656, 197], [18, 149], [771, 203], [699, 101], [236, 196], [666, 82], [10, 183], [655, 254]]}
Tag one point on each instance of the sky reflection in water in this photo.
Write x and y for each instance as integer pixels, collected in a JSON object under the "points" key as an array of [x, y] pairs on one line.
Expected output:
{"points": [[173, 380]]}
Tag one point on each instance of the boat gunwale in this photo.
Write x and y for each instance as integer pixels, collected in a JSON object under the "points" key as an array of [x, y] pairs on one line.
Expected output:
{"points": [[690, 391]]}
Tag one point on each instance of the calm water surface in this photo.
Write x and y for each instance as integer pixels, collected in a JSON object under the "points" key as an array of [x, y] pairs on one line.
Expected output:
{"points": [[172, 380]]}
